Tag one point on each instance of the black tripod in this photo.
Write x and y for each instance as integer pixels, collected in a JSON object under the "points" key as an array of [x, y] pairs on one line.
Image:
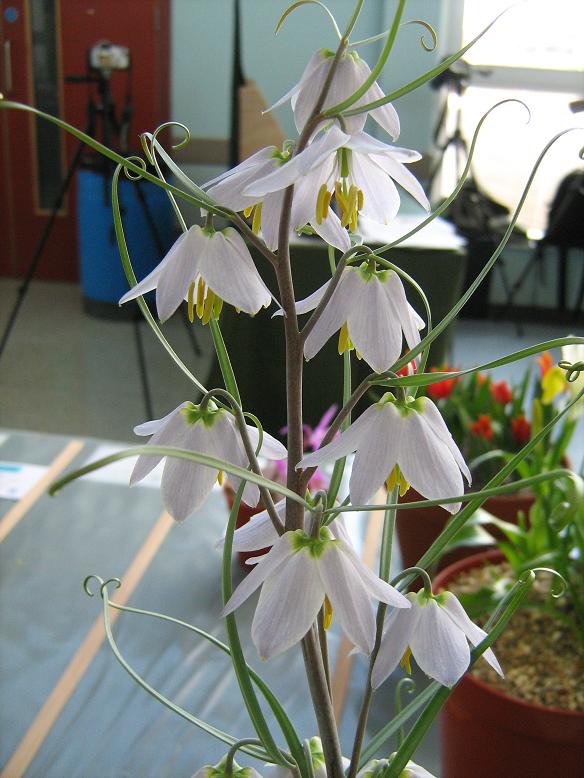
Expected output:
{"points": [[103, 110]]}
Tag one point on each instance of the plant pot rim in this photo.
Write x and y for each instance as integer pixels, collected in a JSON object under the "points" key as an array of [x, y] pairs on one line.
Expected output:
{"points": [[441, 580]]}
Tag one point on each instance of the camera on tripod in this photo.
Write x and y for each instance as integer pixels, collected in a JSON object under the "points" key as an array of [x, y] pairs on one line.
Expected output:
{"points": [[106, 57]]}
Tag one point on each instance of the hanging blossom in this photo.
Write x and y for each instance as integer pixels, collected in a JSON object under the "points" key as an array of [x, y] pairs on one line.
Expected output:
{"points": [[318, 763], [266, 211], [210, 430], [358, 170], [299, 576], [205, 267], [370, 309], [219, 771], [405, 443], [376, 767], [351, 72], [435, 631]]}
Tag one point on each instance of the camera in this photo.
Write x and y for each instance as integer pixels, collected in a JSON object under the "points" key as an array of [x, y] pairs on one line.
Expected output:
{"points": [[106, 57]]}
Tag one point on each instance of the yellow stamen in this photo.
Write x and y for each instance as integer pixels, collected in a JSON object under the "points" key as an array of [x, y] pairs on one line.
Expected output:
{"points": [[220, 477], [340, 196], [344, 340], [360, 200], [257, 219], [248, 211], [326, 203], [200, 297], [405, 661], [396, 478], [328, 613], [191, 302], [320, 212], [208, 309]]}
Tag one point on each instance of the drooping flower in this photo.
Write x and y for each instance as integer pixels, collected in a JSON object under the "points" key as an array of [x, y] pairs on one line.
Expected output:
{"points": [[318, 763], [212, 431], [501, 392], [520, 429], [205, 267], [358, 170], [376, 767], [407, 442], [482, 427], [229, 189], [441, 389], [370, 308], [350, 73], [219, 771], [298, 575], [436, 631]]}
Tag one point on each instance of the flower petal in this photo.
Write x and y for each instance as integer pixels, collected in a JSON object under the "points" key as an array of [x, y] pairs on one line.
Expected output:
{"points": [[432, 416], [331, 231], [179, 273], [374, 327], [376, 586], [380, 196], [349, 294], [439, 647], [172, 433], [427, 463], [347, 442], [349, 597], [279, 553], [254, 161], [475, 634], [315, 154], [258, 533], [379, 452], [150, 427], [404, 178], [288, 605], [399, 626], [229, 270], [271, 448], [409, 319]]}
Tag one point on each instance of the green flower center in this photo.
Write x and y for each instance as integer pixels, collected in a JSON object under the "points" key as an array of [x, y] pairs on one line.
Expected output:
{"points": [[315, 546]]}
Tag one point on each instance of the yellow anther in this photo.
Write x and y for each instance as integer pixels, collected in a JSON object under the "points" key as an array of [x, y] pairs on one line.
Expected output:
{"points": [[191, 302], [358, 355], [360, 200], [248, 211], [406, 662], [396, 478], [327, 619], [326, 203], [403, 485], [320, 211], [344, 340], [200, 298], [220, 477], [217, 306], [257, 219], [208, 309], [341, 200]]}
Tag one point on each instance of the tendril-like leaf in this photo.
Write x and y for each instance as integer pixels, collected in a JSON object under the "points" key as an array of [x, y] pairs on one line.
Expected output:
{"points": [[102, 584], [556, 593], [296, 5], [132, 175], [430, 29]]}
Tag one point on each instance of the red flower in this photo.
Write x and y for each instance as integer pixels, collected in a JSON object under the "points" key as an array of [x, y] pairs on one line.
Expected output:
{"points": [[482, 427], [501, 392], [442, 389], [520, 429], [544, 362], [409, 369]]}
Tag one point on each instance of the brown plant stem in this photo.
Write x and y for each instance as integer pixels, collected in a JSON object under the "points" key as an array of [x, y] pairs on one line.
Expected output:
{"points": [[323, 707]]}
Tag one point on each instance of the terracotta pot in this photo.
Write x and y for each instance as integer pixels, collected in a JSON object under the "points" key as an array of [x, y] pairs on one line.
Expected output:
{"points": [[243, 516], [418, 528], [487, 734]]}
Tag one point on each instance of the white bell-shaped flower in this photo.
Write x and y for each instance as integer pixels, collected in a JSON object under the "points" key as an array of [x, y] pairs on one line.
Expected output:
{"points": [[296, 576], [371, 310], [405, 442], [350, 73], [436, 631], [375, 767], [228, 190], [212, 431], [358, 170], [318, 763], [205, 266]]}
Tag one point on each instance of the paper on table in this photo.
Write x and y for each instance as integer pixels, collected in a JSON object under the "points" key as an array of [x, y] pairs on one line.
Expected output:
{"points": [[16, 479]]}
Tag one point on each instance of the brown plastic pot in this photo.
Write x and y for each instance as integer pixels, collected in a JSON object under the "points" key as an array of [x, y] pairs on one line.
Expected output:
{"points": [[488, 734], [418, 528]]}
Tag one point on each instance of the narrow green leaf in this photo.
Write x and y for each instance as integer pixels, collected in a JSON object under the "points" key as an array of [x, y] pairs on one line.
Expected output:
{"points": [[224, 361], [181, 453]]}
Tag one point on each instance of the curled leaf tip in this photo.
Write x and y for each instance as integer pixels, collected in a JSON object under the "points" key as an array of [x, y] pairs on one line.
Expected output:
{"points": [[427, 26], [132, 175], [102, 584]]}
